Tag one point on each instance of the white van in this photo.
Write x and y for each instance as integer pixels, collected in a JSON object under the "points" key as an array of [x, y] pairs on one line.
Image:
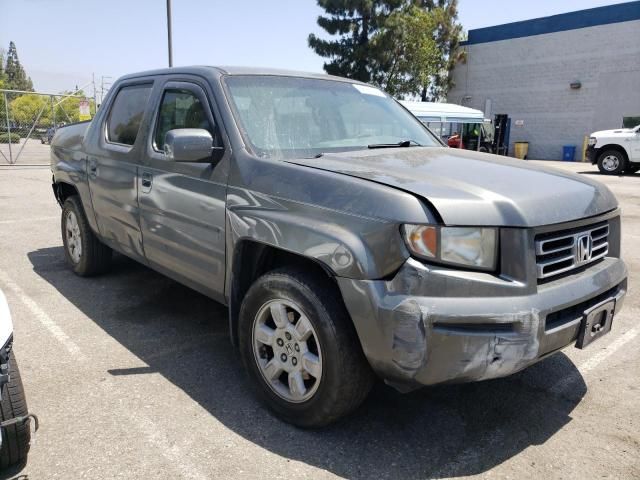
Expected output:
{"points": [[448, 121]]}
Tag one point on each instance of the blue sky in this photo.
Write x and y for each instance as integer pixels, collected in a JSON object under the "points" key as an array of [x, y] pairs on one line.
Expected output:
{"points": [[62, 42]]}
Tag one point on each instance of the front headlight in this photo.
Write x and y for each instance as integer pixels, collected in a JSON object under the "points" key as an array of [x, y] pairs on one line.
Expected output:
{"points": [[474, 247], [592, 141]]}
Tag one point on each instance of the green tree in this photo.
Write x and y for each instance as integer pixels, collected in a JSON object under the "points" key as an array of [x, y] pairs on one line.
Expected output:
{"points": [[25, 109], [16, 78], [390, 43], [407, 53], [447, 34], [2, 75], [352, 23]]}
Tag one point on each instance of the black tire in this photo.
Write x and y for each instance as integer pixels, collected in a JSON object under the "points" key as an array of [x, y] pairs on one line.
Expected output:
{"points": [[611, 162], [15, 438], [95, 257], [346, 377]]}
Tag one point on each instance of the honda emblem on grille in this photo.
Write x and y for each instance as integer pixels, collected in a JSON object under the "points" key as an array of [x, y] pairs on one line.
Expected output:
{"points": [[584, 249]]}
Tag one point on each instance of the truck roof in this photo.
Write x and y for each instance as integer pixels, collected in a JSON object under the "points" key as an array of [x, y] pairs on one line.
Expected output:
{"points": [[216, 71]]}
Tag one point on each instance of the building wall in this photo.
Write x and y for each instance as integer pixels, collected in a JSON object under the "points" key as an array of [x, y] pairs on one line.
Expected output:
{"points": [[528, 78]]}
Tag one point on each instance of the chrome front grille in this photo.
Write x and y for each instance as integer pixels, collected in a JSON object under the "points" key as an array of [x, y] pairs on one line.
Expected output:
{"points": [[566, 250]]}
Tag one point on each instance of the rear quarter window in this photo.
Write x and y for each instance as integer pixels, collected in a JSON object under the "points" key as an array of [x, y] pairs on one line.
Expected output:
{"points": [[126, 114]]}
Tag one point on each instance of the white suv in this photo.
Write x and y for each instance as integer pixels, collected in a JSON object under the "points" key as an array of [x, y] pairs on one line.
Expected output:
{"points": [[615, 151]]}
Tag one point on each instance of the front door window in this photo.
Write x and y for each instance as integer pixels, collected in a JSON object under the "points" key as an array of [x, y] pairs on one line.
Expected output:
{"points": [[179, 109]]}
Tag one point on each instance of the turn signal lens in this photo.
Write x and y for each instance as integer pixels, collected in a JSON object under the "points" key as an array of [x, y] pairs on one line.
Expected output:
{"points": [[422, 240]]}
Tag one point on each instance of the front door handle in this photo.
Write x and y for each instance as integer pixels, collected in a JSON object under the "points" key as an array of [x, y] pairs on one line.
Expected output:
{"points": [[146, 181], [93, 168]]}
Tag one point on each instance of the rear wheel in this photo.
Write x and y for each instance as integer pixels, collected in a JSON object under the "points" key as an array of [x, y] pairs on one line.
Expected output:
{"points": [[84, 252], [15, 438], [301, 350], [611, 162]]}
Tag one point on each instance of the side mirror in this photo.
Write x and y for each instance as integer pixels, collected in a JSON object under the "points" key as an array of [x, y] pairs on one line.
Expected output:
{"points": [[193, 145]]}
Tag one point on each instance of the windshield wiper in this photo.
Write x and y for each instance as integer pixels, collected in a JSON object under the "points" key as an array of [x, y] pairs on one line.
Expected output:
{"points": [[403, 144]]}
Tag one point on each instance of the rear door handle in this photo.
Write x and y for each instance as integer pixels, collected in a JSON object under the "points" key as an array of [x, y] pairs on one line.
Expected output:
{"points": [[146, 181]]}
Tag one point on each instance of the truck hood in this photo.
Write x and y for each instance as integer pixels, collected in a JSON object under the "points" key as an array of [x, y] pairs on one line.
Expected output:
{"points": [[619, 132], [470, 188]]}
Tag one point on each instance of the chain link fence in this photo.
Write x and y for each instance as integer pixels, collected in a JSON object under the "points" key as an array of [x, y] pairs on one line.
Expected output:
{"points": [[28, 121]]}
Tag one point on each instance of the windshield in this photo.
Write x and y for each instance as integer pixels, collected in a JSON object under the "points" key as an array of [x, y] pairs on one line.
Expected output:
{"points": [[291, 117]]}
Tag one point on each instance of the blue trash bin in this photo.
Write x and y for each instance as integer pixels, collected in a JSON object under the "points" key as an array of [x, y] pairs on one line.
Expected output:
{"points": [[568, 153]]}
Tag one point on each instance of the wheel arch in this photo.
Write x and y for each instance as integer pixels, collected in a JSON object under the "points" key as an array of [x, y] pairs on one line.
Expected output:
{"points": [[252, 259], [616, 147], [65, 184], [63, 190]]}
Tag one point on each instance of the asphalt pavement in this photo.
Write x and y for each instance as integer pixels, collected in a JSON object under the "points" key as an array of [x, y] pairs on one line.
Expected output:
{"points": [[133, 376]]}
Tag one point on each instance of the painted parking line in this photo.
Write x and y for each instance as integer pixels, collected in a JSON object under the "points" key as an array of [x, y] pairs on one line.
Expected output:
{"points": [[602, 355], [28, 219], [496, 436], [42, 316], [176, 457], [594, 361]]}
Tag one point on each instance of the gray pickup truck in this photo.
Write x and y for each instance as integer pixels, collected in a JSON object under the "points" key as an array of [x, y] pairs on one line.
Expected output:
{"points": [[345, 239]]}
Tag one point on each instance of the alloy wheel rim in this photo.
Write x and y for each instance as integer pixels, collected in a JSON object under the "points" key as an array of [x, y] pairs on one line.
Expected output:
{"points": [[610, 163], [74, 239], [287, 351]]}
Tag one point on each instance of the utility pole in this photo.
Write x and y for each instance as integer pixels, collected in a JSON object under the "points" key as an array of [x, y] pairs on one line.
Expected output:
{"points": [[95, 96], [169, 33], [104, 86]]}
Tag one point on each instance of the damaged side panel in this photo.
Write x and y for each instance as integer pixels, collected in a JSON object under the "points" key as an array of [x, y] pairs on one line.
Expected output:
{"points": [[350, 225], [348, 245]]}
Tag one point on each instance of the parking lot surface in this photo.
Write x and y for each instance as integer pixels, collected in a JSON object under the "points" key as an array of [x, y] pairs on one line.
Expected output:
{"points": [[133, 376]]}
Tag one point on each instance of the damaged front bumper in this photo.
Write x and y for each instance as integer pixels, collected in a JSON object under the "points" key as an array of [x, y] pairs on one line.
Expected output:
{"points": [[426, 326]]}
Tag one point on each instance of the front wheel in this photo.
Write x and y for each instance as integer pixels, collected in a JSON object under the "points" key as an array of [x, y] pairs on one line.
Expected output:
{"points": [[301, 350], [611, 162]]}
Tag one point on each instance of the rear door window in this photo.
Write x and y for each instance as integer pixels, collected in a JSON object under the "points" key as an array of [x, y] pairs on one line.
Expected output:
{"points": [[126, 114]]}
